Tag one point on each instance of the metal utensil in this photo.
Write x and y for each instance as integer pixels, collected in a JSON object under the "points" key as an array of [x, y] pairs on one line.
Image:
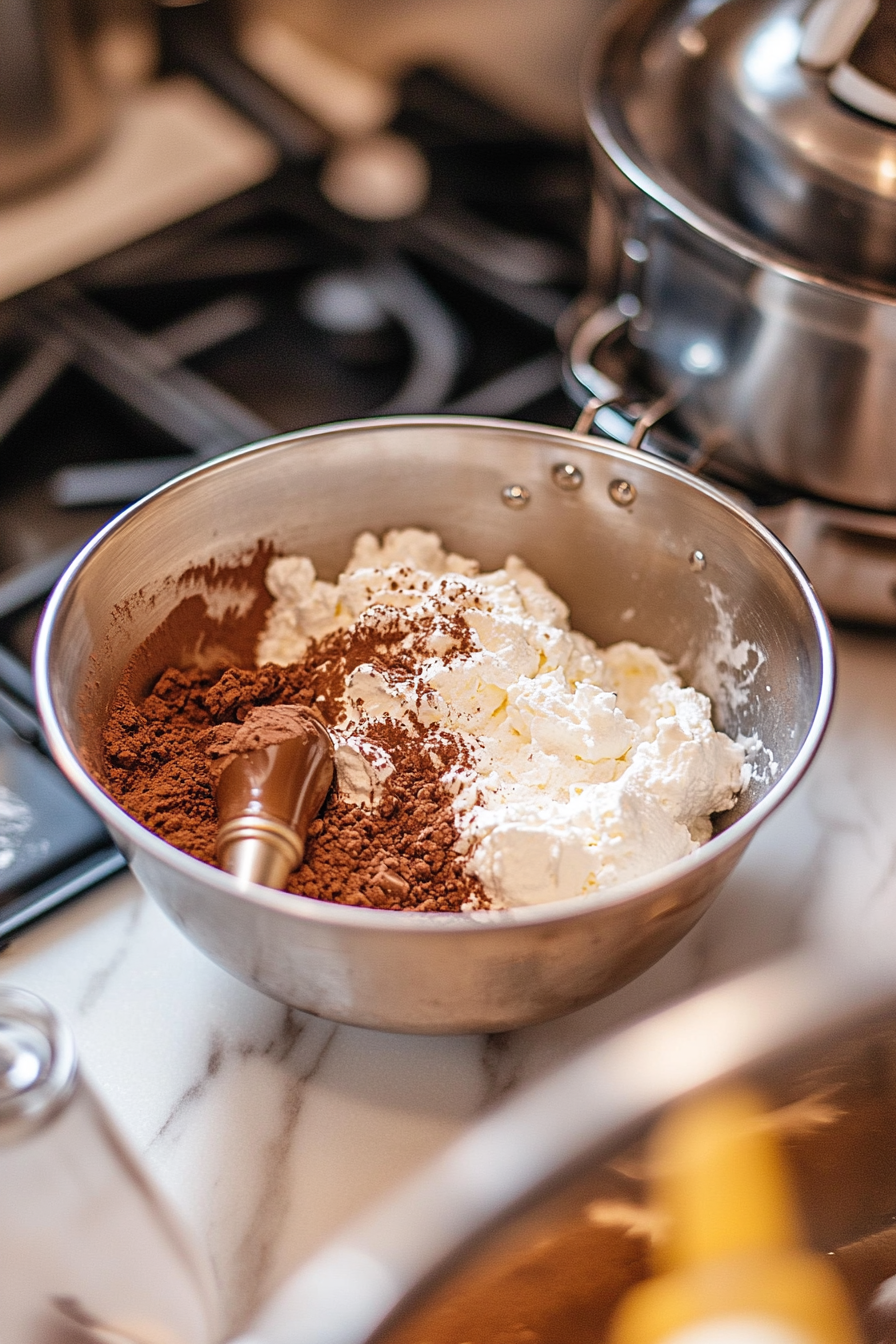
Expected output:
{"points": [[638, 549], [268, 796]]}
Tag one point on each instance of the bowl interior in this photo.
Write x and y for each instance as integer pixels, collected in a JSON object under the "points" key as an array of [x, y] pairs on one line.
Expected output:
{"points": [[677, 568]]}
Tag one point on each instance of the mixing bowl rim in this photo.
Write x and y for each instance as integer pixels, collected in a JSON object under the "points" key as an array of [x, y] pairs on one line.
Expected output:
{"points": [[663, 187], [326, 912]]}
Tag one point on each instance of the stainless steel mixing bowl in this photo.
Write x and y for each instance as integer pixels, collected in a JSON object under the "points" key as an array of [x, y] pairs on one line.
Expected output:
{"points": [[639, 550], [530, 1227]]}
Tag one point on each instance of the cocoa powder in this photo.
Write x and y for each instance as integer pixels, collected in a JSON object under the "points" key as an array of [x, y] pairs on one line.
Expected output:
{"points": [[160, 765]]}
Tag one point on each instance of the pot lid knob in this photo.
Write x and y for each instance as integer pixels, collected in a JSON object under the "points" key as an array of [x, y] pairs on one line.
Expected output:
{"points": [[856, 41], [831, 30]]}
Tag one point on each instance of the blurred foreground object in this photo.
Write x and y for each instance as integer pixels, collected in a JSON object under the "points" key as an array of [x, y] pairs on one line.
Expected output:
{"points": [[731, 1265], [532, 1226], [88, 1249]]}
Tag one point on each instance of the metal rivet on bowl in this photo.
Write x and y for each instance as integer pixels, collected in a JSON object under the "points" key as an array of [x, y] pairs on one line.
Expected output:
{"points": [[697, 561], [515, 496], [566, 476], [622, 493]]}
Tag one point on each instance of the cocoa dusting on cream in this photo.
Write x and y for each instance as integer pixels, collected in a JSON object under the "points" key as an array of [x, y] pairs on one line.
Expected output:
{"points": [[163, 755]]}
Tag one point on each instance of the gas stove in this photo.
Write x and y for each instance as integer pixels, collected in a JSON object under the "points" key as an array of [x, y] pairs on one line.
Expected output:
{"points": [[275, 309]]}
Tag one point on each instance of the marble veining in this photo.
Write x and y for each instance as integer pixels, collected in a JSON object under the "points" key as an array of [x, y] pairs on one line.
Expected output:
{"points": [[268, 1128]]}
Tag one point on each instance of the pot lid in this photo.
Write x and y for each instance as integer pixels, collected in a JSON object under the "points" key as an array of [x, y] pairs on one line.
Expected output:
{"points": [[780, 115]]}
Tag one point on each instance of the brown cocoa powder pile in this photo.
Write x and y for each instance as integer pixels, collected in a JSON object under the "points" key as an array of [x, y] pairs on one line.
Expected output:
{"points": [[397, 855]]}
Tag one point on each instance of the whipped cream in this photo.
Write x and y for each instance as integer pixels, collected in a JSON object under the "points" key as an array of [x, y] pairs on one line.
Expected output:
{"points": [[582, 767]]}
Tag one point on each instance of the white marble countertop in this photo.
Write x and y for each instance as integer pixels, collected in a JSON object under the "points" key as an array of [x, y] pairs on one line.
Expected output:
{"points": [[269, 1128]]}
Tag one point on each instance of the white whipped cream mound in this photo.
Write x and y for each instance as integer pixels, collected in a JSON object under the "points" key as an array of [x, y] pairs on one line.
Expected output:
{"points": [[587, 767]]}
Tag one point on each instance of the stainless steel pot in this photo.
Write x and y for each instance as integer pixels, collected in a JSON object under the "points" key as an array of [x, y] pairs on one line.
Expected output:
{"points": [[639, 551], [53, 109], [532, 1225], [770, 362]]}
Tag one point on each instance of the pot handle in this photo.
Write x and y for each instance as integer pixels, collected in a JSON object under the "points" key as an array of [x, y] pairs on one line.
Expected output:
{"points": [[587, 340], [581, 372], [831, 29], [644, 422]]}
